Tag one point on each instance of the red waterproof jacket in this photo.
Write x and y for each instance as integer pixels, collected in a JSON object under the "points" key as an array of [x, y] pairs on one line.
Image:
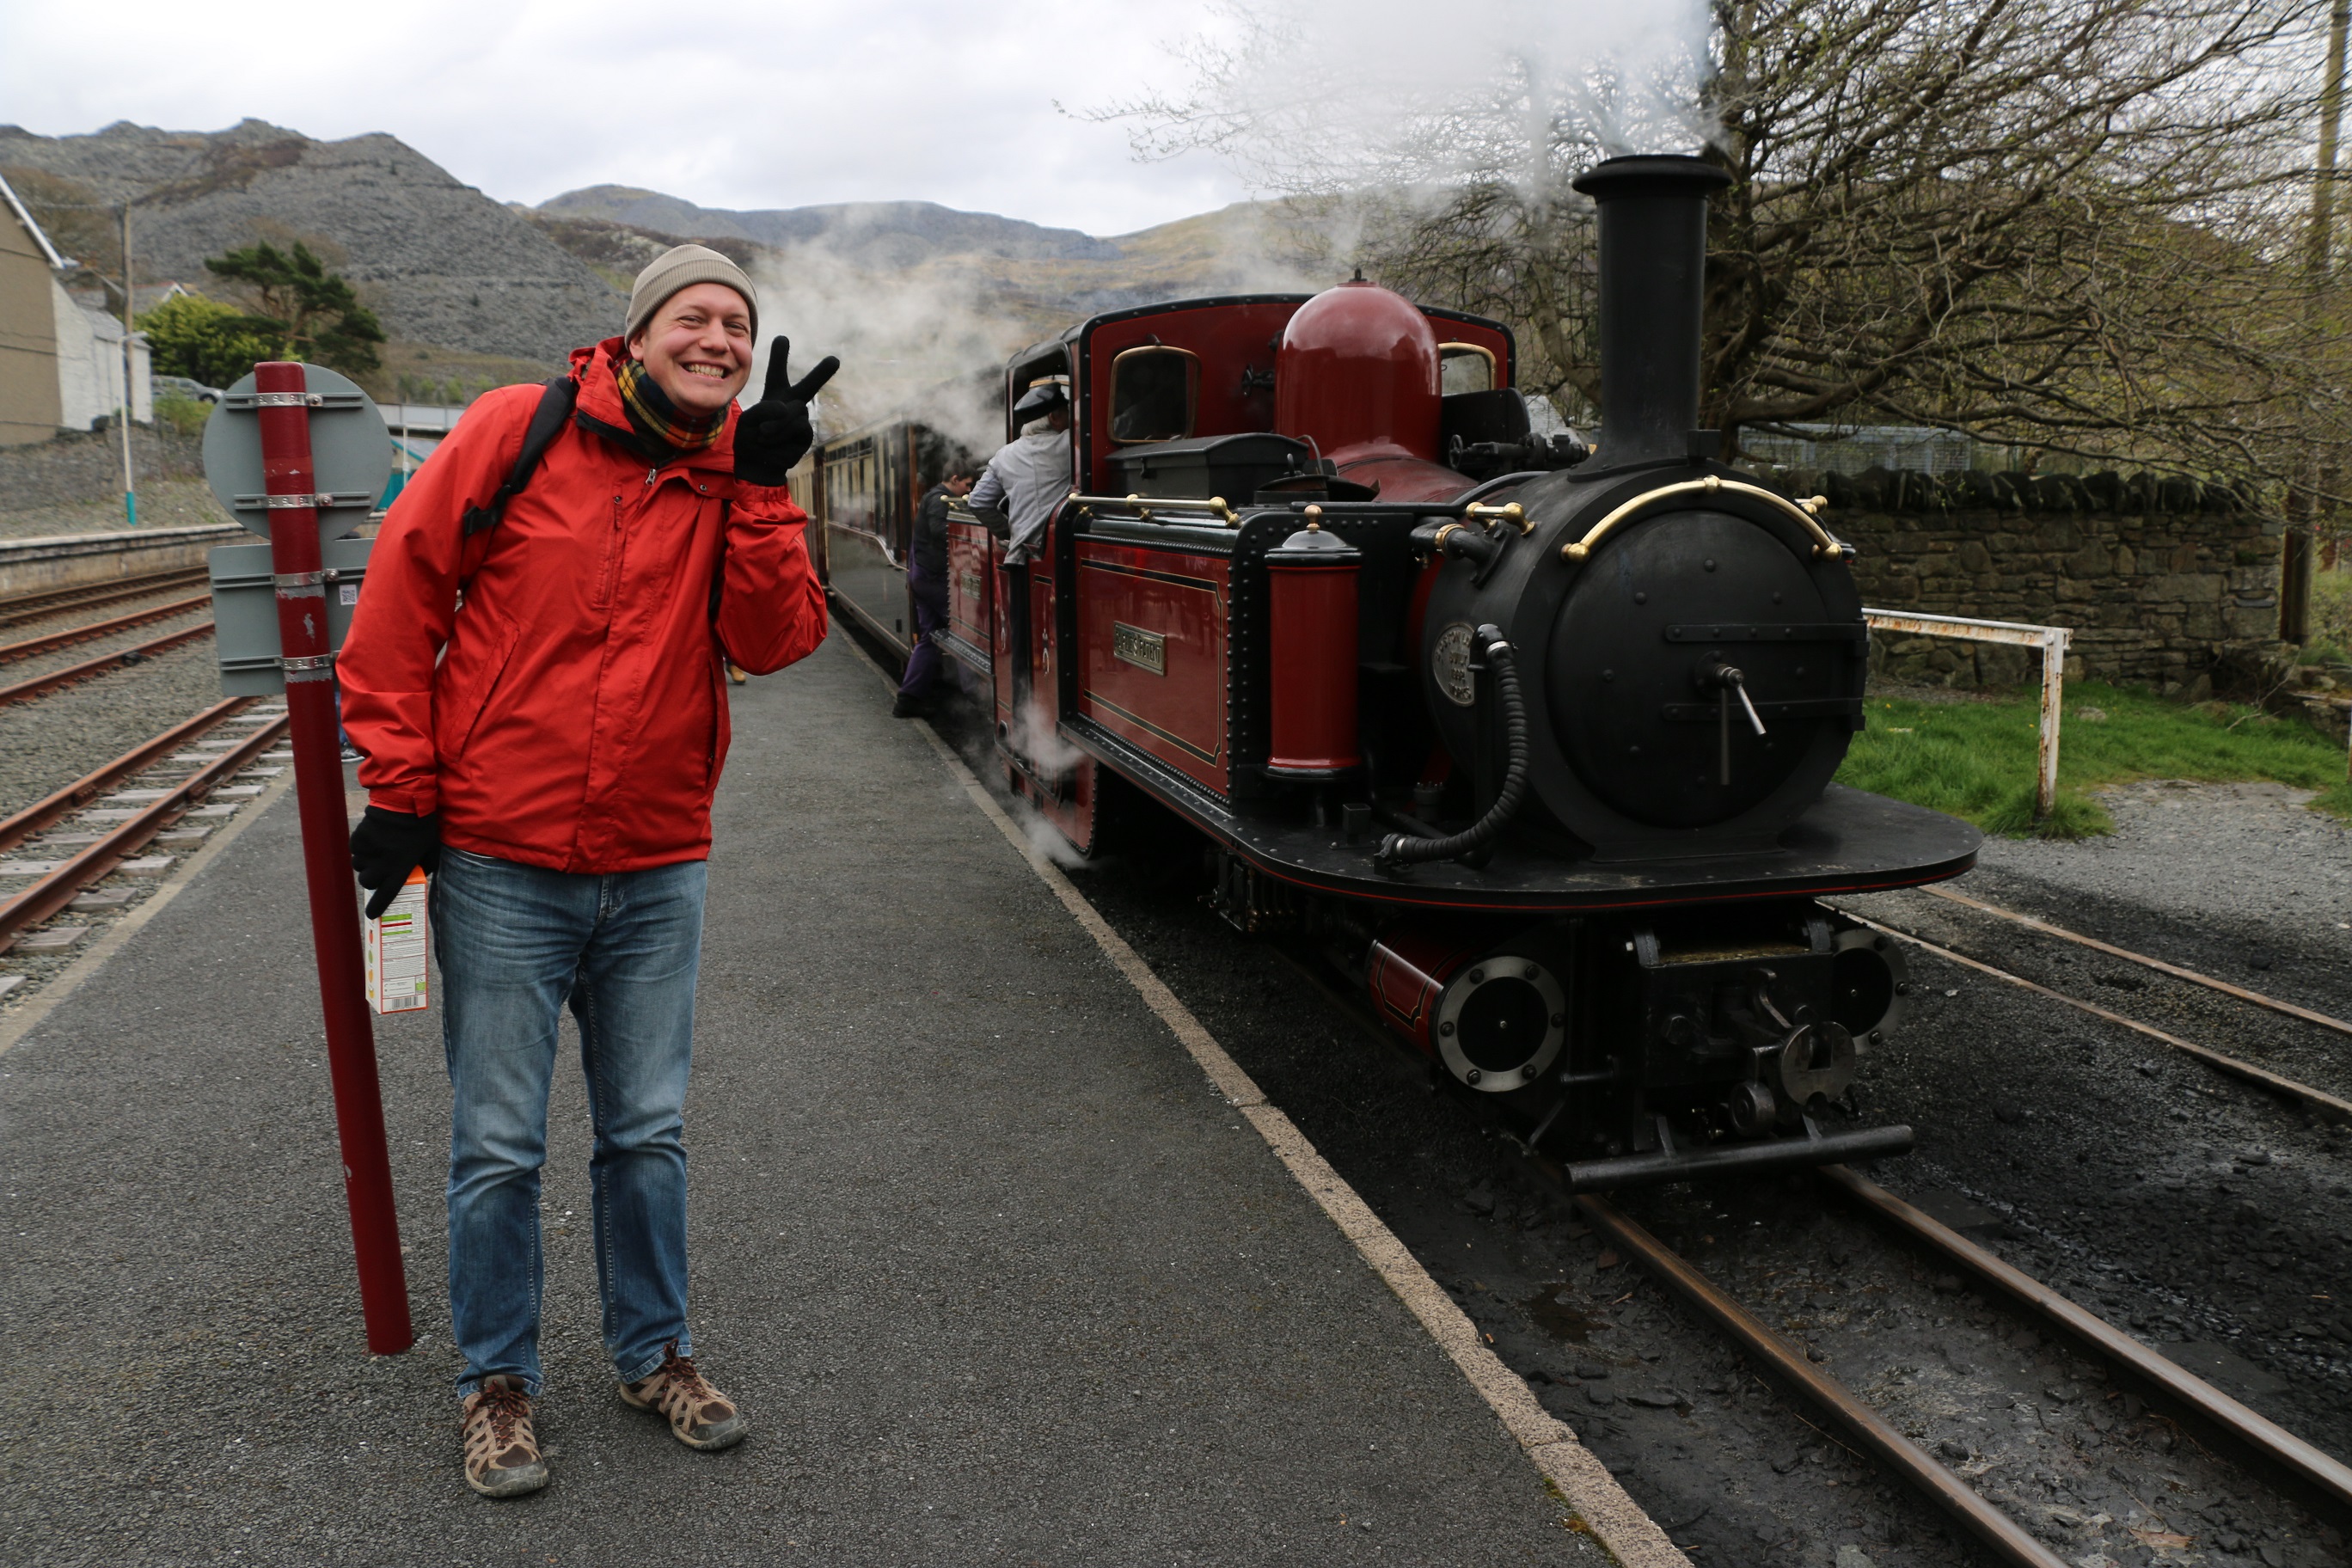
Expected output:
{"points": [[572, 713]]}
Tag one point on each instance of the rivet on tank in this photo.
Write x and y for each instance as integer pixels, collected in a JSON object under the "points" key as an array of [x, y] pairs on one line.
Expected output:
{"points": [[1311, 604]]}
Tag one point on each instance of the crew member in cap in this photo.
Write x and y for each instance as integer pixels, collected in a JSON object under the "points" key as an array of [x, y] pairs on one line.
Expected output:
{"points": [[1016, 495], [543, 707]]}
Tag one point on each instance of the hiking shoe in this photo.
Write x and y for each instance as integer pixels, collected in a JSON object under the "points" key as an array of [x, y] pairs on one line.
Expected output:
{"points": [[502, 1455], [699, 1416]]}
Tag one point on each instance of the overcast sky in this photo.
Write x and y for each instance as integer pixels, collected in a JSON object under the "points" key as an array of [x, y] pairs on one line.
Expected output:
{"points": [[728, 105]]}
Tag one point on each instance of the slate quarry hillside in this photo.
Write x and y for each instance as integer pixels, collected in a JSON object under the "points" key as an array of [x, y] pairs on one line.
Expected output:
{"points": [[438, 261], [871, 234]]}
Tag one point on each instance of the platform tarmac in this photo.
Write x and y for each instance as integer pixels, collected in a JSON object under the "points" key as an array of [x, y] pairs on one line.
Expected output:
{"points": [[997, 1273]]}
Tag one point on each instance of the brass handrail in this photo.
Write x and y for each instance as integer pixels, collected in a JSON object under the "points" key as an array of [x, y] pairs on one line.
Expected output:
{"points": [[1144, 505], [1823, 545], [1511, 511]]}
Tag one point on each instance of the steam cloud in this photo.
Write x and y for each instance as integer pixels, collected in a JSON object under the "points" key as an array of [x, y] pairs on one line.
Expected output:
{"points": [[918, 341], [1343, 97], [927, 340]]}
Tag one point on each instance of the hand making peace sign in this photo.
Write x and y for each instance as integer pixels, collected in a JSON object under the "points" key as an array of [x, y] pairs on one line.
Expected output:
{"points": [[773, 432]]}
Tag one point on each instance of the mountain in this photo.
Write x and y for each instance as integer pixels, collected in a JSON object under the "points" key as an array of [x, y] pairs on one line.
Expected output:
{"points": [[872, 234], [917, 298], [911, 294], [439, 262]]}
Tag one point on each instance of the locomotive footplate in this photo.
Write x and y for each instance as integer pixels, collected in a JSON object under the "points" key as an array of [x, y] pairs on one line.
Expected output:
{"points": [[1849, 842]]}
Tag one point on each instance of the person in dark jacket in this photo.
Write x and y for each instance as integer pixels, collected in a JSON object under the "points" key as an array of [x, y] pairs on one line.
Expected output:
{"points": [[927, 581]]}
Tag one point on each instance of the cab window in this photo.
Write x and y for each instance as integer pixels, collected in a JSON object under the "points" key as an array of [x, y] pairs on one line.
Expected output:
{"points": [[1153, 393], [1465, 367]]}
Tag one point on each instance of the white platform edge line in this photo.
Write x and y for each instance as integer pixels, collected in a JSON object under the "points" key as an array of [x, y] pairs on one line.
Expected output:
{"points": [[70, 978], [1615, 1521]]}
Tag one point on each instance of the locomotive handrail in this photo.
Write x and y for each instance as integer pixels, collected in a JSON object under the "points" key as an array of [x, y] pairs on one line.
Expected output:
{"points": [[1144, 505], [1576, 550]]}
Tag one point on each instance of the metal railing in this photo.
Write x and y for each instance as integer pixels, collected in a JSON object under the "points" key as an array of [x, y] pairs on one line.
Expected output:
{"points": [[2050, 640]]}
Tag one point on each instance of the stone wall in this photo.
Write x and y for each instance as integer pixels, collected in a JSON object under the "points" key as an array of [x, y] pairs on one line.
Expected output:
{"points": [[2164, 581]]}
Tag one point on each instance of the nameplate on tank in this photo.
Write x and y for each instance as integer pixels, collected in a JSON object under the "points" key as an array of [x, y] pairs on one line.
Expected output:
{"points": [[1133, 644]]}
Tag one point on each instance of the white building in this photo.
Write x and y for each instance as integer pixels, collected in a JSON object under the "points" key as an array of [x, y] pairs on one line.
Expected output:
{"points": [[60, 363]]}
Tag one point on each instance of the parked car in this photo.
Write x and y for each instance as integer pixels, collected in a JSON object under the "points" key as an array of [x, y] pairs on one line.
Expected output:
{"points": [[185, 387]]}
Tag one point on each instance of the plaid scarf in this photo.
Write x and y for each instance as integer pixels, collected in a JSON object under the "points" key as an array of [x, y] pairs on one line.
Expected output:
{"points": [[665, 426]]}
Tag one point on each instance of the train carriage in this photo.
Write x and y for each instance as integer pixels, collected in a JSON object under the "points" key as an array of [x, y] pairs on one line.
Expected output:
{"points": [[861, 489]]}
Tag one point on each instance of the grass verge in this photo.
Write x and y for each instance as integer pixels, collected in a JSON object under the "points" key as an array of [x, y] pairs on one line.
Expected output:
{"points": [[1976, 760]]}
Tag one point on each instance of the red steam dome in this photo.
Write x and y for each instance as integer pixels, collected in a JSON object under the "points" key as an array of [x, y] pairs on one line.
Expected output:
{"points": [[1357, 375]]}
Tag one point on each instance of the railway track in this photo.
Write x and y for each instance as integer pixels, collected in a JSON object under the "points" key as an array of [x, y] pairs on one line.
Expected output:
{"points": [[18, 608], [57, 883], [2320, 1101], [56, 680], [2317, 1477], [89, 631], [2295, 1467]]}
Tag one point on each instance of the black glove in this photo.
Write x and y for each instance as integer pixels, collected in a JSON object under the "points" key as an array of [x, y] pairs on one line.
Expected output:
{"points": [[998, 526], [773, 432], [387, 846]]}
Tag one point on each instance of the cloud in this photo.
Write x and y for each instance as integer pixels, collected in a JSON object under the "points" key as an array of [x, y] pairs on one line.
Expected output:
{"points": [[822, 100]]}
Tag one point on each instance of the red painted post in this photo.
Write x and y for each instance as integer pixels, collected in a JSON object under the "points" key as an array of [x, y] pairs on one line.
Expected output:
{"points": [[326, 852]]}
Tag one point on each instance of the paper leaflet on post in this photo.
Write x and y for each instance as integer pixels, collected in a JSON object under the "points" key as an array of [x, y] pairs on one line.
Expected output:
{"points": [[395, 951]]}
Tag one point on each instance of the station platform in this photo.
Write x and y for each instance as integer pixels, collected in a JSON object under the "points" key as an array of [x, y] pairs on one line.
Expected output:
{"points": [[996, 1271]]}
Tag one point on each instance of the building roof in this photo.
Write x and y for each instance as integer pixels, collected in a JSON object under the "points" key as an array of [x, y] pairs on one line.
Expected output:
{"points": [[8, 192]]}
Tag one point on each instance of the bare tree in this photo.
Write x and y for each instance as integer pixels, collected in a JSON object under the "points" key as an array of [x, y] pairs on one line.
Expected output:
{"points": [[2075, 224]]}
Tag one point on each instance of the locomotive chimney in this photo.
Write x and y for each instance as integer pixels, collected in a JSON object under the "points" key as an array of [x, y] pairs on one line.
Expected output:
{"points": [[1652, 272]]}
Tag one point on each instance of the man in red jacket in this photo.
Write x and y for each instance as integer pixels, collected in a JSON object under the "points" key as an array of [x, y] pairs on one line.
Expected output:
{"points": [[542, 704]]}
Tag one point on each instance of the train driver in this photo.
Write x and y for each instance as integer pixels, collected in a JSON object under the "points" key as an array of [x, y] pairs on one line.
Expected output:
{"points": [[1017, 494]]}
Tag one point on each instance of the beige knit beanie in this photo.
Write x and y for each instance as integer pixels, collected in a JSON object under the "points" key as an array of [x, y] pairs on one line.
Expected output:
{"points": [[682, 267]]}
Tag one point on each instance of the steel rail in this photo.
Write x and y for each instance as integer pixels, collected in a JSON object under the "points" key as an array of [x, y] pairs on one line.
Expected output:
{"points": [[2325, 1478], [1998, 1533], [2035, 923], [49, 642], [22, 607], [2327, 1105], [40, 685], [55, 808], [53, 891]]}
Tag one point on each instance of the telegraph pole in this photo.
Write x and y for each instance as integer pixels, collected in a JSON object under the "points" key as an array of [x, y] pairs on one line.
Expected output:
{"points": [[130, 361]]}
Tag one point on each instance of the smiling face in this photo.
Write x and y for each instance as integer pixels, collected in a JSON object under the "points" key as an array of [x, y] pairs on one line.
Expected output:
{"points": [[698, 346]]}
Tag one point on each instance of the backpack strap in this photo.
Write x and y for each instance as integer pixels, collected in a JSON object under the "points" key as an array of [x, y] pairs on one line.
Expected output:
{"points": [[556, 399]]}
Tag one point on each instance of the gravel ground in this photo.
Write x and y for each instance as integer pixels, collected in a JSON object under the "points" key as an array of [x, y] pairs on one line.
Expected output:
{"points": [[2206, 1217], [163, 503], [2238, 880], [53, 740]]}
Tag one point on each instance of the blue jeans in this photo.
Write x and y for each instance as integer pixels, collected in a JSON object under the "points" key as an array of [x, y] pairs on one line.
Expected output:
{"points": [[515, 943]]}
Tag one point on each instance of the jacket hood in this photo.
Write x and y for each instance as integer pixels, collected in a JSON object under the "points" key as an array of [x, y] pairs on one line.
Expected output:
{"points": [[595, 369]]}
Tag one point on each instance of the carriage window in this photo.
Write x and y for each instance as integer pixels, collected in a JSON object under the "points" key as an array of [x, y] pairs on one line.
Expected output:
{"points": [[1153, 391], [1465, 367]]}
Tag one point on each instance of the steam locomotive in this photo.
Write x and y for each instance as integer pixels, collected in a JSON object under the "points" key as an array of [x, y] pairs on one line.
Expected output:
{"points": [[1534, 742]]}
